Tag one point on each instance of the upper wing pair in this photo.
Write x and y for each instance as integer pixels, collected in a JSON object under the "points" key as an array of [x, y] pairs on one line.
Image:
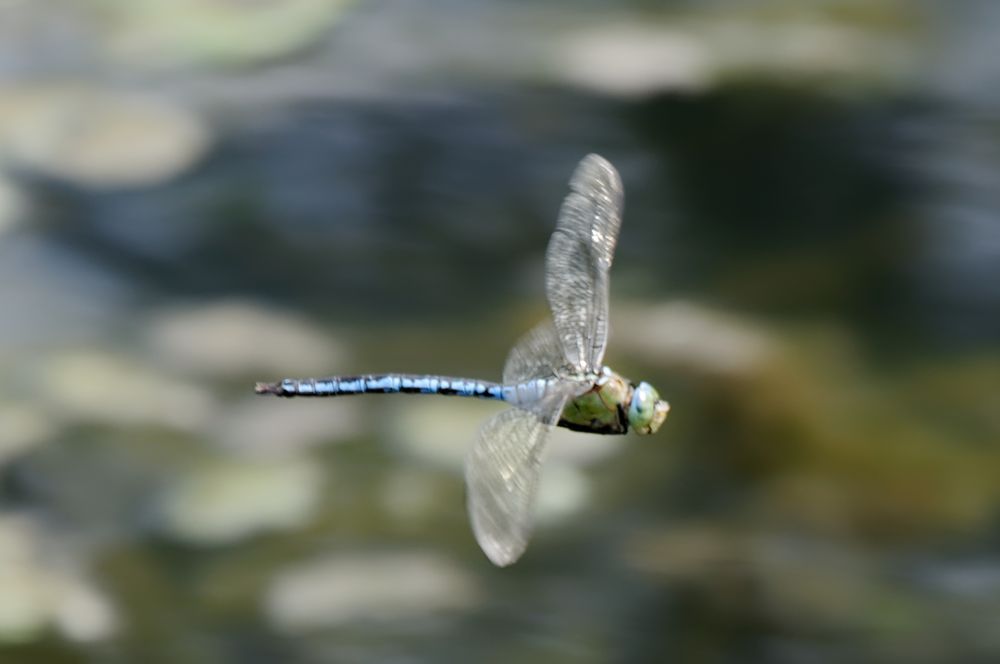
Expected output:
{"points": [[503, 467]]}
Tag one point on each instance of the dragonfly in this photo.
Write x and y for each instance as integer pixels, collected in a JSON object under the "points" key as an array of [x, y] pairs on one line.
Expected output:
{"points": [[553, 376]]}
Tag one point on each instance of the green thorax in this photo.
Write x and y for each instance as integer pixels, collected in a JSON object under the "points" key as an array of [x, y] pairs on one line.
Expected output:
{"points": [[602, 409]]}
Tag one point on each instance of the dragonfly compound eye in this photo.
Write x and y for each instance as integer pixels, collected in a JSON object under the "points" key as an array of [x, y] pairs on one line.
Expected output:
{"points": [[645, 414]]}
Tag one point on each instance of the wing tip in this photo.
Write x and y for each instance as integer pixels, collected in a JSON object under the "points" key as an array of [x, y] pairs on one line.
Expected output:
{"points": [[595, 159], [503, 562], [492, 543], [498, 554], [595, 168]]}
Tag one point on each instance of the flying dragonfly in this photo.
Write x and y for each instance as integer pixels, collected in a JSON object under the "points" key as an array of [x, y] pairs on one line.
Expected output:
{"points": [[553, 376]]}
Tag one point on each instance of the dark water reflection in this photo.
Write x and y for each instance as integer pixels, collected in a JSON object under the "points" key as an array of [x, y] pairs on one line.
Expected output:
{"points": [[807, 272]]}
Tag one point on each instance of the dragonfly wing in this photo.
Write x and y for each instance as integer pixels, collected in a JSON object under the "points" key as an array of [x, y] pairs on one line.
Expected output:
{"points": [[578, 260], [502, 473], [538, 354]]}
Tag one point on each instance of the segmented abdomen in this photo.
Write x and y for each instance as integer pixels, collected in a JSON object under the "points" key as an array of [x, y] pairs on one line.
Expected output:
{"points": [[523, 394], [383, 384]]}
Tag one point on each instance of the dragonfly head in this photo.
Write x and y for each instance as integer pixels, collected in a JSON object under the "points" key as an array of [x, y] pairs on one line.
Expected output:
{"points": [[647, 410]]}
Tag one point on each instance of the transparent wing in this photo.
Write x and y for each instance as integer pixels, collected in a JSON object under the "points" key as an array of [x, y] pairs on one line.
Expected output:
{"points": [[538, 354], [501, 477], [578, 259]]}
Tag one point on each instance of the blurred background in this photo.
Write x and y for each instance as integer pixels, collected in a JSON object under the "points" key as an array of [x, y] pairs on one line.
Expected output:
{"points": [[199, 194]]}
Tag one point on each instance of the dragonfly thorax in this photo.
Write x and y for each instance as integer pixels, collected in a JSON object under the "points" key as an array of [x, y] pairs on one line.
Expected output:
{"points": [[613, 405]]}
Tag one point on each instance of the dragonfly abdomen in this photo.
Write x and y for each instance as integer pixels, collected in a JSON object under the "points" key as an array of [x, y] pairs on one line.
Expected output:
{"points": [[383, 384], [525, 394]]}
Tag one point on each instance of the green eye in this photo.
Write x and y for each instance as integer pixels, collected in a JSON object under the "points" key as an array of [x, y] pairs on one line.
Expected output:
{"points": [[647, 411], [640, 410]]}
